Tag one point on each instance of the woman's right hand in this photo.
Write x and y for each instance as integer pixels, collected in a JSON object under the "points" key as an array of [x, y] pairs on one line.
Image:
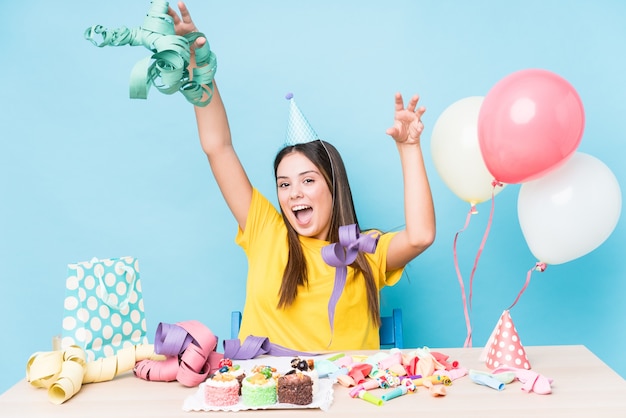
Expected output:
{"points": [[184, 24]]}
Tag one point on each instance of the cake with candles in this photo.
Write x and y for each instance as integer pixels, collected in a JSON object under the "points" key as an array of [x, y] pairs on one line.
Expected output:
{"points": [[259, 389]]}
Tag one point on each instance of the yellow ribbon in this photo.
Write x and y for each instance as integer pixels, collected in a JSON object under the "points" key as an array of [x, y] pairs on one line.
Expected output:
{"points": [[64, 372]]}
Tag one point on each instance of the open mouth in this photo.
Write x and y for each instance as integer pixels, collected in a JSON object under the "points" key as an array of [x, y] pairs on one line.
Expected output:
{"points": [[302, 213]]}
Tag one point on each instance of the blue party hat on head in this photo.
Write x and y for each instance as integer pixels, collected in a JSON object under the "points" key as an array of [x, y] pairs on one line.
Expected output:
{"points": [[299, 130]]}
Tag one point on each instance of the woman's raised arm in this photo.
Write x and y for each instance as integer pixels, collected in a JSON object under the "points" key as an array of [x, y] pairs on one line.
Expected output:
{"points": [[419, 212], [215, 137]]}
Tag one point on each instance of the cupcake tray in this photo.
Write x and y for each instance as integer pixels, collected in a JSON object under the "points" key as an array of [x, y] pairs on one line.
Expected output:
{"points": [[321, 400]]}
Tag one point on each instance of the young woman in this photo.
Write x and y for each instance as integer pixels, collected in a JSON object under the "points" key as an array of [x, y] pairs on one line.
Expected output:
{"points": [[289, 284]]}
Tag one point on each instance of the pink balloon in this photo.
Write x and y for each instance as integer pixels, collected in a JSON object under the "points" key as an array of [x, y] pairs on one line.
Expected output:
{"points": [[530, 122]]}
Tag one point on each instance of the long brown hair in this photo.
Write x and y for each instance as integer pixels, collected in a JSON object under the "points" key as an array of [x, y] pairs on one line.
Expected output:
{"points": [[328, 160]]}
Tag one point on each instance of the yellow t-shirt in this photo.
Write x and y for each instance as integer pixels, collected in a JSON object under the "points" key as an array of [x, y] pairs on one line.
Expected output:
{"points": [[304, 325]]}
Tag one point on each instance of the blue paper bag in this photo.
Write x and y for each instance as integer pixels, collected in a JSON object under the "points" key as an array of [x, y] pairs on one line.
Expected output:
{"points": [[103, 307]]}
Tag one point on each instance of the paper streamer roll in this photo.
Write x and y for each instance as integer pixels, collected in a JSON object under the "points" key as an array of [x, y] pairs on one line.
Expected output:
{"points": [[189, 348], [166, 69], [64, 372]]}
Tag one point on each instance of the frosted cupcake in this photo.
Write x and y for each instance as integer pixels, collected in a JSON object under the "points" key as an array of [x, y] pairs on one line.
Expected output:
{"points": [[296, 388], [221, 390], [259, 389], [307, 367], [226, 367]]}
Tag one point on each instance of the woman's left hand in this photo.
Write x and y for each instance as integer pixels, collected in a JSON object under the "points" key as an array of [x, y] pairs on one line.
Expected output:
{"points": [[407, 126]]}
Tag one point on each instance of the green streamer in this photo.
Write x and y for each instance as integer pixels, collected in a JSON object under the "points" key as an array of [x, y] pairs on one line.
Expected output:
{"points": [[166, 69]]}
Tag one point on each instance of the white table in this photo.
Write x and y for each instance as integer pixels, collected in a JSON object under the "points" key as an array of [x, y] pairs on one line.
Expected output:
{"points": [[583, 386]]}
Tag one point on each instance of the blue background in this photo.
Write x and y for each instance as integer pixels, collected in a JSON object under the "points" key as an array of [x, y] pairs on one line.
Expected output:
{"points": [[85, 171]]}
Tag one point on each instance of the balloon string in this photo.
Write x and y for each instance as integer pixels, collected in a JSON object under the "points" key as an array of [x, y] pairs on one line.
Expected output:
{"points": [[494, 184], [539, 267], [468, 339]]}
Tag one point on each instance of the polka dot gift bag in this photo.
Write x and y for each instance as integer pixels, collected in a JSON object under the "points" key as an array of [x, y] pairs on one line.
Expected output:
{"points": [[103, 307]]}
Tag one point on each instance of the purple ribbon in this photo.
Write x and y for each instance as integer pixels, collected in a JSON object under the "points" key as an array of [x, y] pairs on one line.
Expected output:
{"points": [[171, 339], [189, 348], [340, 255], [254, 346]]}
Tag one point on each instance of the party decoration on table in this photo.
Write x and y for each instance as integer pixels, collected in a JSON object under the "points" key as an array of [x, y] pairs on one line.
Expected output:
{"points": [[504, 347], [570, 211], [406, 386], [443, 360], [432, 379], [501, 376], [394, 372], [189, 350], [340, 255], [368, 397], [167, 68], [427, 363], [529, 123], [103, 307], [453, 374], [532, 381], [299, 130], [486, 379], [64, 372], [434, 389], [254, 346]]}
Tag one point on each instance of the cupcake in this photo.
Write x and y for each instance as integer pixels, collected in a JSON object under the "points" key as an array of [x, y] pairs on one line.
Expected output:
{"points": [[296, 388], [226, 367], [221, 390], [259, 389], [307, 367]]}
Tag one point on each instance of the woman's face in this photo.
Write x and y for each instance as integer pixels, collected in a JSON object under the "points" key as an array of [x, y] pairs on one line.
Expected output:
{"points": [[304, 196]]}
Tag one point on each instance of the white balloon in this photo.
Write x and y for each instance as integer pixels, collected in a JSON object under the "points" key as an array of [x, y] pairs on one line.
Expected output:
{"points": [[571, 210], [456, 152]]}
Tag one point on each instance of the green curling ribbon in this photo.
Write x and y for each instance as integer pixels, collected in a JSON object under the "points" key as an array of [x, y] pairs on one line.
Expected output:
{"points": [[166, 69]]}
